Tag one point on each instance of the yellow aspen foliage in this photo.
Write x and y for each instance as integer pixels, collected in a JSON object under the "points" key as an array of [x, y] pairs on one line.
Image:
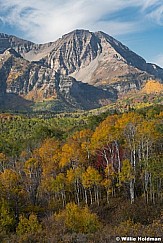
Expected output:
{"points": [[159, 116], [7, 219], [107, 183], [82, 136], [10, 185], [67, 155], [105, 133], [127, 172], [153, 86], [74, 174], [126, 119], [49, 155], [76, 149], [58, 184], [147, 130], [31, 164], [9, 179], [91, 177], [26, 225], [79, 220]]}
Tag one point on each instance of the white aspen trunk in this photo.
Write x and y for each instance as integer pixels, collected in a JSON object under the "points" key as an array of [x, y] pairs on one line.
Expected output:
{"points": [[150, 176], [105, 156], [147, 150], [107, 196], [146, 175], [132, 191], [78, 200], [91, 198], [111, 150], [146, 180], [86, 198], [77, 192], [153, 196], [147, 197], [134, 157], [63, 199], [88, 154], [142, 145], [95, 193], [139, 153], [107, 161], [118, 156]]}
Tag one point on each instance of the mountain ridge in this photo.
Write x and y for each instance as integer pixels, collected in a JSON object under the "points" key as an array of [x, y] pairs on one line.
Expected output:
{"points": [[109, 69]]}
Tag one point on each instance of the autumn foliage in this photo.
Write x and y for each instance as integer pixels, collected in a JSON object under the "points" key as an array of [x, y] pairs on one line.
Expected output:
{"points": [[68, 179]]}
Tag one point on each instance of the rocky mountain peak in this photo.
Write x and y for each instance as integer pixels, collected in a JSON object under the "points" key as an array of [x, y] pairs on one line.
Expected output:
{"points": [[73, 51], [82, 69], [78, 33], [10, 41]]}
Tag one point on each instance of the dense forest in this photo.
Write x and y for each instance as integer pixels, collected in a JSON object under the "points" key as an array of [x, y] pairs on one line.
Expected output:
{"points": [[81, 179]]}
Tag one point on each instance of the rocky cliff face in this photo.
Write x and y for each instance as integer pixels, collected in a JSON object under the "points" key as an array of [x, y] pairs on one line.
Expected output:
{"points": [[89, 57], [27, 49], [20, 45], [98, 59], [82, 69], [35, 82]]}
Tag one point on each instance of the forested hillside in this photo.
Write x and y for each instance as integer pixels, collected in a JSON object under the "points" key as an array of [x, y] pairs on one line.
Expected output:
{"points": [[83, 179]]}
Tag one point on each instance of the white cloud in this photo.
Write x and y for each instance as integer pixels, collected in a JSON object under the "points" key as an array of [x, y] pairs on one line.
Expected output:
{"points": [[115, 28], [47, 20], [157, 15], [154, 10], [150, 3]]}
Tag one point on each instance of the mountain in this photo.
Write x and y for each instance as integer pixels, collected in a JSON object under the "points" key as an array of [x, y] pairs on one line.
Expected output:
{"points": [[100, 60], [86, 55], [32, 81], [10, 41], [81, 70]]}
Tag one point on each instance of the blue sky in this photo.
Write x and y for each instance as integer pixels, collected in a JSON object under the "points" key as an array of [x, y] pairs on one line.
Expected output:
{"points": [[136, 23]]}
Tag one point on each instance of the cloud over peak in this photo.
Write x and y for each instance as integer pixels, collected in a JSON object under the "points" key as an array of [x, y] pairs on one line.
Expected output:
{"points": [[47, 20]]}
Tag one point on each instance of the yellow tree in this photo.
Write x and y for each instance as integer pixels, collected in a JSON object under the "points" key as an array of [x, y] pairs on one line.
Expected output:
{"points": [[147, 135], [109, 181], [12, 189], [76, 149], [7, 219], [74, 178], [59, 187], [105, 141], [91, 180], [28, 227], [155, 171], [79, 220], [128, 125], [49, 154], [33, 170]]}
